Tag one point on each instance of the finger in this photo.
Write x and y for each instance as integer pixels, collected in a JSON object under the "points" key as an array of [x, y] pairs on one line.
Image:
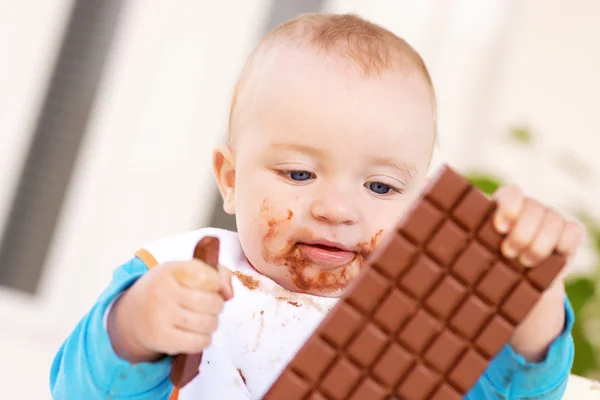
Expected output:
{"points": [[545, 240], [200, 301], [510, 202], [182, 341], [195, 322], [571, 238], [196, 274], [524, 230], [226, 286]]}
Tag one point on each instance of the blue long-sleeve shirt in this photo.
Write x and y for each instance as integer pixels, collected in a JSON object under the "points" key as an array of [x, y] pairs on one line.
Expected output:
{"points": [[86, 366]]}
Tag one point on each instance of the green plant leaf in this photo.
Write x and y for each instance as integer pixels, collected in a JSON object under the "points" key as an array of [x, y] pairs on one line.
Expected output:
{"points": [[580, 291], [594, 235], [487, 183], [522, 135], [585, 360]]}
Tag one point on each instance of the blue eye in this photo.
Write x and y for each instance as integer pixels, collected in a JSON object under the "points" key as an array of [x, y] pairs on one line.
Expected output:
{"points": [[379, 188], [300, 175]]}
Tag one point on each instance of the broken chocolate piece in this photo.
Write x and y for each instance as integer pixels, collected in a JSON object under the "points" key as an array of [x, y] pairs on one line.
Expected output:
{"points": [[186, 366], [433, 305]]}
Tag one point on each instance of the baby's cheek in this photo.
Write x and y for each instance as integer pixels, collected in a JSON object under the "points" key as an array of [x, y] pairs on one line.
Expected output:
{"points": [[382, 221], [275, 224], [250, 227], [387, 216]]}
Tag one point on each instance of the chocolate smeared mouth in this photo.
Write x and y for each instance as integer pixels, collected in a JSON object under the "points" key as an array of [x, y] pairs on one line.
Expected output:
{"points": [[327, 245], [323, 246]]}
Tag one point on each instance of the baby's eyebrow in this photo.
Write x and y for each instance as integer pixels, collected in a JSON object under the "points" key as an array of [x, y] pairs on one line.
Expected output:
{"points": [[299, 148], [406, 168]]}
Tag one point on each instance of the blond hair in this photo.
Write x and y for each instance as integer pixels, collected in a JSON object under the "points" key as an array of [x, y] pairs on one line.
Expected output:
{"points": [[371, 47]]}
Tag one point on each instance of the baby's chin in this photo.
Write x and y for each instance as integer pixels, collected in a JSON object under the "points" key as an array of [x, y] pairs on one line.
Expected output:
{"points": [[321, 280]]}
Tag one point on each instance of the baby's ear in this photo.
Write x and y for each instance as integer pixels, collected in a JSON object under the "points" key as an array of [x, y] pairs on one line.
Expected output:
{"points": [[224, 170]]}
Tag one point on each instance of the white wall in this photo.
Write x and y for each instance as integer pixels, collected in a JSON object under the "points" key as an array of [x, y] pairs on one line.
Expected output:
{"points": [[145, 168], [28, 45]]}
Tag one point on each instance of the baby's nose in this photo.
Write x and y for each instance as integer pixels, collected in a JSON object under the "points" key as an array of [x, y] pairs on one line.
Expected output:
{"points": [[334, 210]]}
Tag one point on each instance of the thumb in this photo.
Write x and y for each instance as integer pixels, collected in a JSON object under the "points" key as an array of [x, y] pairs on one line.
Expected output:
{"points": [[226, 287], [196, 274], [204, 276]]}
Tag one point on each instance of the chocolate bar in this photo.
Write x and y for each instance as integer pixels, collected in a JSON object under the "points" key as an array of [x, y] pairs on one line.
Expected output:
{"points": [[185, 367], [432, 306]]}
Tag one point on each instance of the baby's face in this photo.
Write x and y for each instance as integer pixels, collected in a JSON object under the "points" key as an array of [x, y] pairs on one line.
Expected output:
{"points": [[326, 161]]}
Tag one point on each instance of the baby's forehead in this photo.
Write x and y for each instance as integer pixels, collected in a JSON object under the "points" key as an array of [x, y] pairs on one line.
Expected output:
{"points": [[284, 65], [312, 104]]}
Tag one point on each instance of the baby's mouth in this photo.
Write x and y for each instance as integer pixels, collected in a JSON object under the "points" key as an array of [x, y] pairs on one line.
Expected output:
{"points": [[327, 254]]}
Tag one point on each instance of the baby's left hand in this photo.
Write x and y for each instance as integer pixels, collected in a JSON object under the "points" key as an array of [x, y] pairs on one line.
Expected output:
{"points": [[534, 230]]}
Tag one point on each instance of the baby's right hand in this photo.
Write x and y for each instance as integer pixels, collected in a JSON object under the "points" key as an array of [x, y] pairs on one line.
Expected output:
{"points": [[171, 309]]}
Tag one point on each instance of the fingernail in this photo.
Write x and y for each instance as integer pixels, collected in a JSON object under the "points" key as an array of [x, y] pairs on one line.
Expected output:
{"points": [[526, 261], [502, 225], [508, 251]]}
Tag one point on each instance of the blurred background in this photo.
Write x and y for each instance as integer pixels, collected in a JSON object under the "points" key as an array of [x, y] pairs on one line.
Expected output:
{"points": [[109, 112]]}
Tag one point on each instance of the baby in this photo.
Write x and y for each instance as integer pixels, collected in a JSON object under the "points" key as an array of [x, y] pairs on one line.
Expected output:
{"points": [[332, 129]]}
